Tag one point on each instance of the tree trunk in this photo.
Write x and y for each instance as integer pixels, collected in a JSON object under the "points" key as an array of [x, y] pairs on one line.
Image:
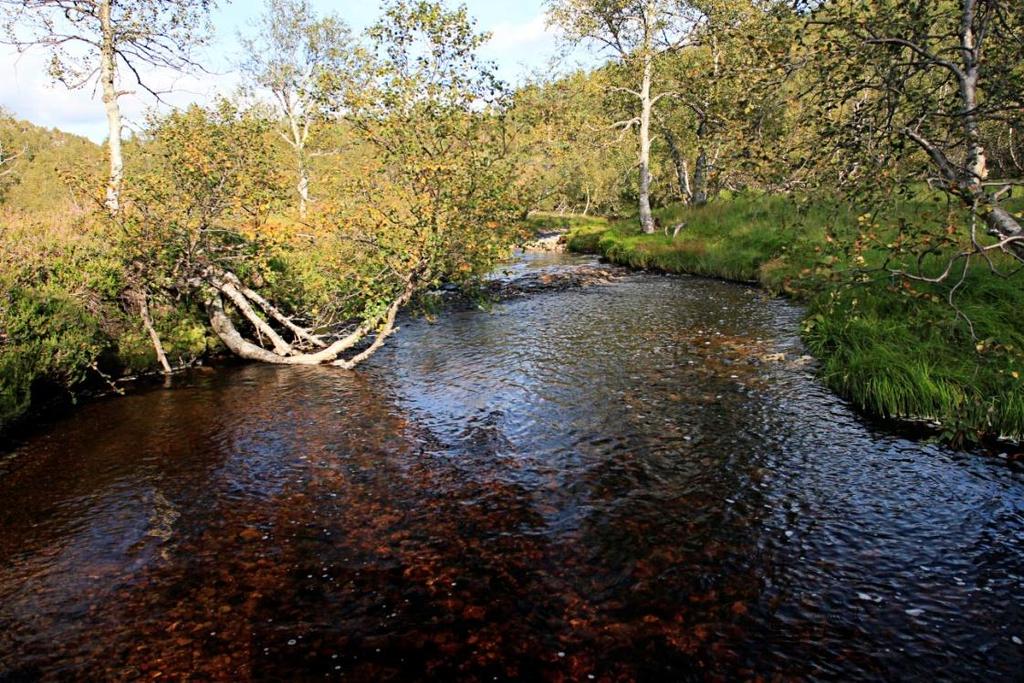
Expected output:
{"points": [[243, 348], [281, 347], [303, 188], [646, 106], [687, 189], [699, 196], [108, 81], [977, 166], [682, 172], [147, 322], [299, 131], [1002, 225], [383, 325], [301, 333]]}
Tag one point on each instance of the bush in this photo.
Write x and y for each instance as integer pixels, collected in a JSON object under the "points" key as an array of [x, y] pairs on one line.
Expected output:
{"points": [[54, 320]]}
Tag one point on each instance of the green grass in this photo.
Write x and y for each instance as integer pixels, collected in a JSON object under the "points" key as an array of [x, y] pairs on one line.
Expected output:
{"points": [[542, 221], [895, 349]]}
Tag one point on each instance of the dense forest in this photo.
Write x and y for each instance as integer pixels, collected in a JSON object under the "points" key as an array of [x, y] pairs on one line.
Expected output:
{"points": [[862, 156]]}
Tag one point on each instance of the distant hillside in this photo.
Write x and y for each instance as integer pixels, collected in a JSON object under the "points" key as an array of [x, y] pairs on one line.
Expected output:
{"points": [[50, 170]]}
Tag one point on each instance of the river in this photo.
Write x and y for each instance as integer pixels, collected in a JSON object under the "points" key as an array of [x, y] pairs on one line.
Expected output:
{"points": [[639, 480]]}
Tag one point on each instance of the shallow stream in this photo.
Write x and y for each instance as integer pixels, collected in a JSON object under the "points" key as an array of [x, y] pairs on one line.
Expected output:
{"points": [[640, 480]]}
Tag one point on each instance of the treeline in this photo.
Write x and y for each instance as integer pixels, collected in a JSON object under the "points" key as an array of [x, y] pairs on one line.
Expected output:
{"points": [[841, 98]]}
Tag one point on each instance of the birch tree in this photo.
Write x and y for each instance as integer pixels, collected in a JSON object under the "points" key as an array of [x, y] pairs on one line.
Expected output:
{"points": [[922, 90], [635, 33], [301, 60], [435, 202], [109, 44], [728, 91], [573, 161]]}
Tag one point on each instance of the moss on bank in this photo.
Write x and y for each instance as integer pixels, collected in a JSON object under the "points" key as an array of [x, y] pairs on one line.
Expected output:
{"points": [[895, 348]]}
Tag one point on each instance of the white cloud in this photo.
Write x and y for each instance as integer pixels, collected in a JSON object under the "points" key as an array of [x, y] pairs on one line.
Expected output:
{"points": [[510, 37], [29, 93], [522, 46]]}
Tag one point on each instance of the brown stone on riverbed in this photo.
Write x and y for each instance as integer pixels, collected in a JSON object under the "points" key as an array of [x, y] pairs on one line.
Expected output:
{"points": [[575, 278], [250, 534], [579, 277]]}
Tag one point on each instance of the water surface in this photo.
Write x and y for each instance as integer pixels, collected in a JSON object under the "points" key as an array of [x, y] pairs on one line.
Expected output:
{"points": [[622, 482]]}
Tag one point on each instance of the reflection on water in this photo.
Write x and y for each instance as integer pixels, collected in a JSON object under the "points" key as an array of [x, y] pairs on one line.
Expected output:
{"points": [[621, 482]]}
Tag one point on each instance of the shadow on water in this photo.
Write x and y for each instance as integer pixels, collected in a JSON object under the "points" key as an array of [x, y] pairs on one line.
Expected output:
{"points": [[640, 480]]}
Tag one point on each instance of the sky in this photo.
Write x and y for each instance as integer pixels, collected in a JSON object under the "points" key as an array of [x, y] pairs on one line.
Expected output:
{"points": [[521, 44]]}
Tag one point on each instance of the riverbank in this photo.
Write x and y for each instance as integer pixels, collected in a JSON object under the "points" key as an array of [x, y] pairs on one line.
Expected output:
{"points": [[896, 349], [51, 402]]}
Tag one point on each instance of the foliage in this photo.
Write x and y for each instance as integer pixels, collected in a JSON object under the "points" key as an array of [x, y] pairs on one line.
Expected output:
{"points": [[442, 193], [206, 219], [572, 160], [201, 192], [920, 91], [48, 169], [54, 320]]}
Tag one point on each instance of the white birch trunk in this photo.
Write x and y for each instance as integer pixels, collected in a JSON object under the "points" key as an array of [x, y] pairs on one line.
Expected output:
{"points": [[108, 81], [154, 338], [303, 187], [646, 106], [700, 179]]}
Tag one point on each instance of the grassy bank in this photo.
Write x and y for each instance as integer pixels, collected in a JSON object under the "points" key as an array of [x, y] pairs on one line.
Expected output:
{"points": [[895, 348]]}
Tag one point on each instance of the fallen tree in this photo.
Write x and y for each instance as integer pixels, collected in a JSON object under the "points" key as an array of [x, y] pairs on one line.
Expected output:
{"points": [[428, 195], [300, 351]]}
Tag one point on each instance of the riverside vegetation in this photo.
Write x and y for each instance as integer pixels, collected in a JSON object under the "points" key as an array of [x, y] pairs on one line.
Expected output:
{"points": [[865, 157], [891, 346]]}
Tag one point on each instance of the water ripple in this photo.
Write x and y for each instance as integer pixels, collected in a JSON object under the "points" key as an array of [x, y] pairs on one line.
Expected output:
{"points": [[635, 481]]}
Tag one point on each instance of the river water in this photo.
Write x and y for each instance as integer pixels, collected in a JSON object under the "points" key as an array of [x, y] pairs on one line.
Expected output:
{"points": [[622, 482]]}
